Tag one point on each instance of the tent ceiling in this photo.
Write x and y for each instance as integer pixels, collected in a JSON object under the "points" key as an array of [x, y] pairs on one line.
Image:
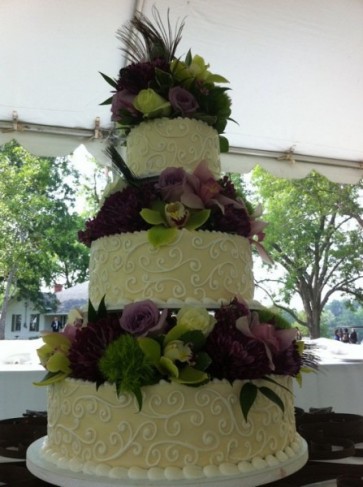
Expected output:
{"points": [[295, 70]]}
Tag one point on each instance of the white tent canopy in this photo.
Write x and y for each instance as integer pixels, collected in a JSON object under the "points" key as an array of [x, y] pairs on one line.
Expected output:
{"points": [[295, 70]]}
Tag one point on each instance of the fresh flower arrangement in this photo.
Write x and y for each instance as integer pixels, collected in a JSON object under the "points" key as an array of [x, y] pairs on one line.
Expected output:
{"points": [[158, 84], [177, 200], [142, 345]]}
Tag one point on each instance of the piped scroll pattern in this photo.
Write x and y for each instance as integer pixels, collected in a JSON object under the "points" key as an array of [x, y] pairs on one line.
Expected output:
{"points": [[162, 143], [200, 267], [177, 427]]}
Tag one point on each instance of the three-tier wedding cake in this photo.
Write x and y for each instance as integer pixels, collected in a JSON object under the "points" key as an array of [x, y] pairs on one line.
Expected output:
{"points": [[175, 373]]}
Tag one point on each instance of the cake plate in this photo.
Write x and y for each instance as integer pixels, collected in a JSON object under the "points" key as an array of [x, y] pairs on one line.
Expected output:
{"points": [[49, 472]]}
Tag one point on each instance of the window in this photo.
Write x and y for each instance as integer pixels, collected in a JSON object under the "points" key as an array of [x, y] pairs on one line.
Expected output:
{"points": [[34, 323], [16, 323]]}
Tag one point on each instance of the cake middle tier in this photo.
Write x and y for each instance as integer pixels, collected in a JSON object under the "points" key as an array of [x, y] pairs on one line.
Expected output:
{"points": [[199, 267]]}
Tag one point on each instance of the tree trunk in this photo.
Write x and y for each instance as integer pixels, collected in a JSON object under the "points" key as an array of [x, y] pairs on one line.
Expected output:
{"points": [[7, 297]]}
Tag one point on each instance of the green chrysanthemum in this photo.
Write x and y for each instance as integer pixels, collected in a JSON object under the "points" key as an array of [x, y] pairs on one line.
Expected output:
{"points": [[125, 365]]}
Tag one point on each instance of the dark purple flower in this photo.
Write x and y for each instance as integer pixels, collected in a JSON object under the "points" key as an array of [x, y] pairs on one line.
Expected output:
{"points": [[120, 213], [183, 101], [228, 314], [235, 356], [89, 345], [140, 76], [288, 362], [122, 100], [234, 220], [142, 318]]}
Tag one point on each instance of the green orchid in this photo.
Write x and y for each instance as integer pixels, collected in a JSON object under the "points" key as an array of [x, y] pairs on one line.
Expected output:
{"points": [[53, 355], [179, 356], [166, 218]]}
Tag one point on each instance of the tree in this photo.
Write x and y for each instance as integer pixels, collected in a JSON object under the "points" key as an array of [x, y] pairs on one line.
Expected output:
{"points": [[315, 236], [37, 230]]}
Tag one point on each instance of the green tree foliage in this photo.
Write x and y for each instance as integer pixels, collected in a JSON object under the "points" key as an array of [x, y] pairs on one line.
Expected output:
{"points": [[315, 235], [38, 230]]}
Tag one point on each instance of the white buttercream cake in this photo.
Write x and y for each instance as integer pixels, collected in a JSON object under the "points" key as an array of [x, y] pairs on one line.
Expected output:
{"points": [[173, 376], [181, 432]]}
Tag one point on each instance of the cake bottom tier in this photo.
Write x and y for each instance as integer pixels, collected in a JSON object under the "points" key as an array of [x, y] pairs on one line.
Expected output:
{"points": [[180, 432]]}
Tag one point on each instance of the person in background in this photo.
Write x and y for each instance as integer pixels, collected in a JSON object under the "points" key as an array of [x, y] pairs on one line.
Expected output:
{"points": [[345, 336], [56, 324], [353, 338], [337, 335]]}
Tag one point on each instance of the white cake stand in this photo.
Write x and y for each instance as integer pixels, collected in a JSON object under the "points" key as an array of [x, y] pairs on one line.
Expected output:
{"points": [[64, 478]]}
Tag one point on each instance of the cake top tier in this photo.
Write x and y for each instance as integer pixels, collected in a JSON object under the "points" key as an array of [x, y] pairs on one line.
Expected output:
{"points": [[158, 84]]}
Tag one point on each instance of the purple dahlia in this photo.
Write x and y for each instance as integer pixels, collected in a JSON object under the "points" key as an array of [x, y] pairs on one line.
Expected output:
{"points": [[235, 356], [140, 76], [120, 213], [288, 362], [233, 220], [89, 346]]}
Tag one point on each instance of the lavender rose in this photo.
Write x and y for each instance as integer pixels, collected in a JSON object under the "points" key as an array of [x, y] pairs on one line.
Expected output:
{"points": [[182, 101], [171, 183], [142, 318], [122, 100]]}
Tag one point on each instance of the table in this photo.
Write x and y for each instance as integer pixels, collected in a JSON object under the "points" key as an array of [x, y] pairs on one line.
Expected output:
{"points": [[338, 382]]}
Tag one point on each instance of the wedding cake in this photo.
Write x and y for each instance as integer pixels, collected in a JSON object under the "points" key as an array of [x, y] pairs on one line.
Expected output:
{"points": [[175, 373]]}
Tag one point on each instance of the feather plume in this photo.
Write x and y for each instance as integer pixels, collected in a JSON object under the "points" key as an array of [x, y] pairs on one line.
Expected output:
{"points": [[121, 165], [145, 41]]}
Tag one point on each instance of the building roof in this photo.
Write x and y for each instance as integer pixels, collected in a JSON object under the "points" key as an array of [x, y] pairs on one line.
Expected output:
{"points": [[72, 297]]}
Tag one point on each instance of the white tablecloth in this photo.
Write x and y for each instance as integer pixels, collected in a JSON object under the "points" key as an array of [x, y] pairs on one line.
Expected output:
{"points": [[338, 381]]}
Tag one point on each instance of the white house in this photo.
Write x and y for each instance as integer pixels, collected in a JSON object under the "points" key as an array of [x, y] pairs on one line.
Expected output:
{"points": [[24, 321]]}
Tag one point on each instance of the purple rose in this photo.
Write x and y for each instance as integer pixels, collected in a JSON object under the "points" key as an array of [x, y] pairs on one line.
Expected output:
{"points": [[122, 100], [171, 183], [182, 101], [142, 318]]}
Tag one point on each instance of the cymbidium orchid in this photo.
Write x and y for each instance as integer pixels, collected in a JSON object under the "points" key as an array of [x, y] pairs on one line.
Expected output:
{"points": [[53, 356], [274, 340], [194, 69], [167, 219], [176, 214]]}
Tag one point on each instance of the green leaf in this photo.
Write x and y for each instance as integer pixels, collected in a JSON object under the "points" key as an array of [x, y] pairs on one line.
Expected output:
{"points": [[202, 361], [175, 333], [270, 394], [102, 310], [217, 78], [247, 397], [268, 379], [92, 313], [151, 349], [51, 378], [151, 216], [108, 101], [189, 375], [223, 144], [169, 367], [195, 337], [109, 80], [160, 235], [197, 219], [138, 396], [188, 58], [163, 79]]}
